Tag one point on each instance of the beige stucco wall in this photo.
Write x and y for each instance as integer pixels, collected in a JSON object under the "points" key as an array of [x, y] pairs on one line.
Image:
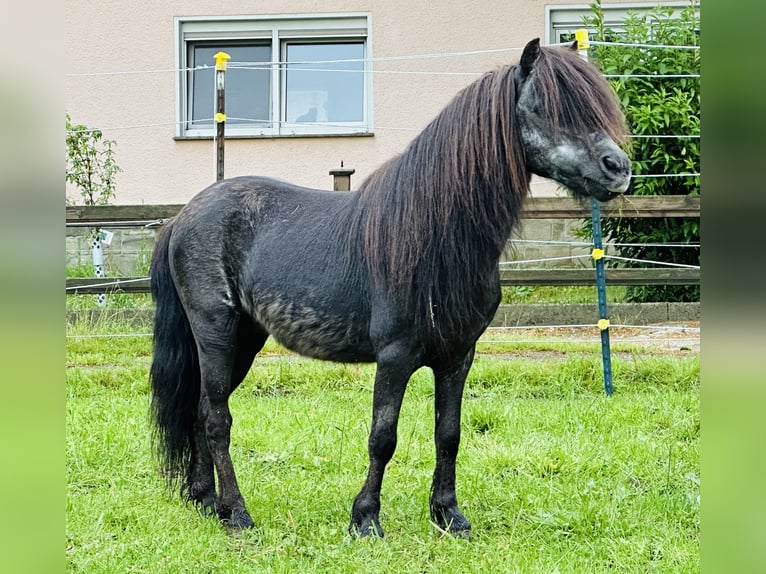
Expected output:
{"points": [[156, 168]]}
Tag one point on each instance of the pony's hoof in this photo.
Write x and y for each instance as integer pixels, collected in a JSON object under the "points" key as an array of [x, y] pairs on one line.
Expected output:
{"points": [[451, 521], [464, 533], [367, 529], [206, 506], [239, 520]]}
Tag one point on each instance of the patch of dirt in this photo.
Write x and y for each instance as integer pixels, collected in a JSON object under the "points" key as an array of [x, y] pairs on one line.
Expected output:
{"points": [[680, 339]]}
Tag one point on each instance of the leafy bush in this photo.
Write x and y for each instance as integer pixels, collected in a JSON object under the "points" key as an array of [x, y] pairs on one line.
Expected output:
{"points": [[656, 107], [90, 164]]}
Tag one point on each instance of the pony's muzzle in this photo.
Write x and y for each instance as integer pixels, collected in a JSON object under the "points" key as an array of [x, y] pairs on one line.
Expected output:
{"points": [[616, 166]]}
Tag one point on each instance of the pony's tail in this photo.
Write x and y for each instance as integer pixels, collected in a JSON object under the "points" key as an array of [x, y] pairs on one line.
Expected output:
{"points": [[175, 375]]}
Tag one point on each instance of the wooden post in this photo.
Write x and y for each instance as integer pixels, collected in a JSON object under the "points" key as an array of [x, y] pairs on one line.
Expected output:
{"points": [[220, 110], [341, 178]]}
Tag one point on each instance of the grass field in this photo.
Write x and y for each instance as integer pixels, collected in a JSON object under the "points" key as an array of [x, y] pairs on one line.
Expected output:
{"points": [[554, 476]]}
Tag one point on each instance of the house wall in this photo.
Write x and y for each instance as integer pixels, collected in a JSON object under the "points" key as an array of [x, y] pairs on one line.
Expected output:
{"points": [[156, 168]]}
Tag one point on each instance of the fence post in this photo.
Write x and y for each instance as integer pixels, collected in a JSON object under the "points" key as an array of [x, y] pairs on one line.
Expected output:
{"points": [[220, 110], [603, 314], [97, 254], [583, 44], [341, 178]]}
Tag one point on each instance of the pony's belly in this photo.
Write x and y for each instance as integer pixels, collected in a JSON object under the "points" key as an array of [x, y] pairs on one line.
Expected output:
{"points": [[319, 349], [318, 334]]}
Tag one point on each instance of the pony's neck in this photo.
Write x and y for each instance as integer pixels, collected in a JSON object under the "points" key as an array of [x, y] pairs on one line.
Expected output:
{"points": [[467, 167], [434, 220]]}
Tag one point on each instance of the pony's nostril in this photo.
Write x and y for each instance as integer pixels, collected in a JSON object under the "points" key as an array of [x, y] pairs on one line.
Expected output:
{"points": [[615, 163], [612, 163]]}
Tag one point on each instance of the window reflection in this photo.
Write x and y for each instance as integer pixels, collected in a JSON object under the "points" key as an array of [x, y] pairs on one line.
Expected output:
{"points": [[248, 90], [319, 88]]}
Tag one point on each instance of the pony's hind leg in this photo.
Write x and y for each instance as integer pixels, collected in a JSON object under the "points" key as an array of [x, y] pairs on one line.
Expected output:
{"points": [[226, 350], [201, 481], [449, 385]]}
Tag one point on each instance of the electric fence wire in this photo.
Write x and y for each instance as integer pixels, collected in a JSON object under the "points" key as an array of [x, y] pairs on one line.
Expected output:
{"points": [[437, 55]]}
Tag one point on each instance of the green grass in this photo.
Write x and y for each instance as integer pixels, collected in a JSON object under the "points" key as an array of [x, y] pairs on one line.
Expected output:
{"points": [[554, 475], [559, 294]]}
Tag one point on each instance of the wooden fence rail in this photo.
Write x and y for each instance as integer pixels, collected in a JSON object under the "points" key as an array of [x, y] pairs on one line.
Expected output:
{"points": [[535, 208]]}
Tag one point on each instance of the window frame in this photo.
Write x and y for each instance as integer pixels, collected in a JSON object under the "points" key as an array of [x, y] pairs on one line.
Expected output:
{"points": [[191, 93], [278, 30], [568, 17]]}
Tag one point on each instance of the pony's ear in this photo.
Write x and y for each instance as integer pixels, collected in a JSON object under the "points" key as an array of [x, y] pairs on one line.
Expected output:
{"points": [[529, 56], [573, 46]]}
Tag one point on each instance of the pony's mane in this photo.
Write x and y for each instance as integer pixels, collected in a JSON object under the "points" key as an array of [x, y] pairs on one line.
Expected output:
{"points": [[433, 221]]}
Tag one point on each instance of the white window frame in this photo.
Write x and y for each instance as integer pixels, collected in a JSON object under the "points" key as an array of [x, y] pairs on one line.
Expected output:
{"points": [[278, 29], [566, 18]]}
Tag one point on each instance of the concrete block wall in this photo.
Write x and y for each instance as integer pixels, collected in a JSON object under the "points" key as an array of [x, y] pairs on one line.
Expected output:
{"points": [[546, 230], [127, 255]]}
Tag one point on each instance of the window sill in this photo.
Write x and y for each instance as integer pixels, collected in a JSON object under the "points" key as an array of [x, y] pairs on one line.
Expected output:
{"points": [[277, 136]]}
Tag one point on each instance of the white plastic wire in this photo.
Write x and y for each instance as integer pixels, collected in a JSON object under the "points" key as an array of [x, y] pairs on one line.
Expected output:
{"points": [[109, 336], [108, 284], [663, 175], [545, 259], [590, 243], [639, 45], [210, 123], [436, 55], [652, 76], [652, 262], [132, 72], [677, 136], [246, 66]]}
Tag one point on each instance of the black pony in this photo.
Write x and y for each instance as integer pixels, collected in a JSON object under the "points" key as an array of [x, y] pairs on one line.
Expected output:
{"points": [[402, 272]]}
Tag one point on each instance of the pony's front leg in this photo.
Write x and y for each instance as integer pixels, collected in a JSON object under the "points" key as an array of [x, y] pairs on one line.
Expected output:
{"points": [[448, 398], [394, 367]]}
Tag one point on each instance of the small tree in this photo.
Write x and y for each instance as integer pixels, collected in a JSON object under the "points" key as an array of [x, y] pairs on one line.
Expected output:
{"points": [[656, 107], [90, 167], [90, 164]]}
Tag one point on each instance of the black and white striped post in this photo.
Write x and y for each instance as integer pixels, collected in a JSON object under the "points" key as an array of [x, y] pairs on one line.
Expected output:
{"points": [[598, 256], [97, 254]]}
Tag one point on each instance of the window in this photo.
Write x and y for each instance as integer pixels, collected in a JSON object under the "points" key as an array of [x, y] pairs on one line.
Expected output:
{"points": [[287, 76], [563, 20], [248, 91]]}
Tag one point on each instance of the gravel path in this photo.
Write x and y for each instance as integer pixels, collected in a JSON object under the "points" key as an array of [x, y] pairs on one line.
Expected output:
{"points": [[682, 339]]}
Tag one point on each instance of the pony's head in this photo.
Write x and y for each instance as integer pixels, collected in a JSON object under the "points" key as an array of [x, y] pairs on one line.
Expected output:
{"points": [[571, 123]]}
